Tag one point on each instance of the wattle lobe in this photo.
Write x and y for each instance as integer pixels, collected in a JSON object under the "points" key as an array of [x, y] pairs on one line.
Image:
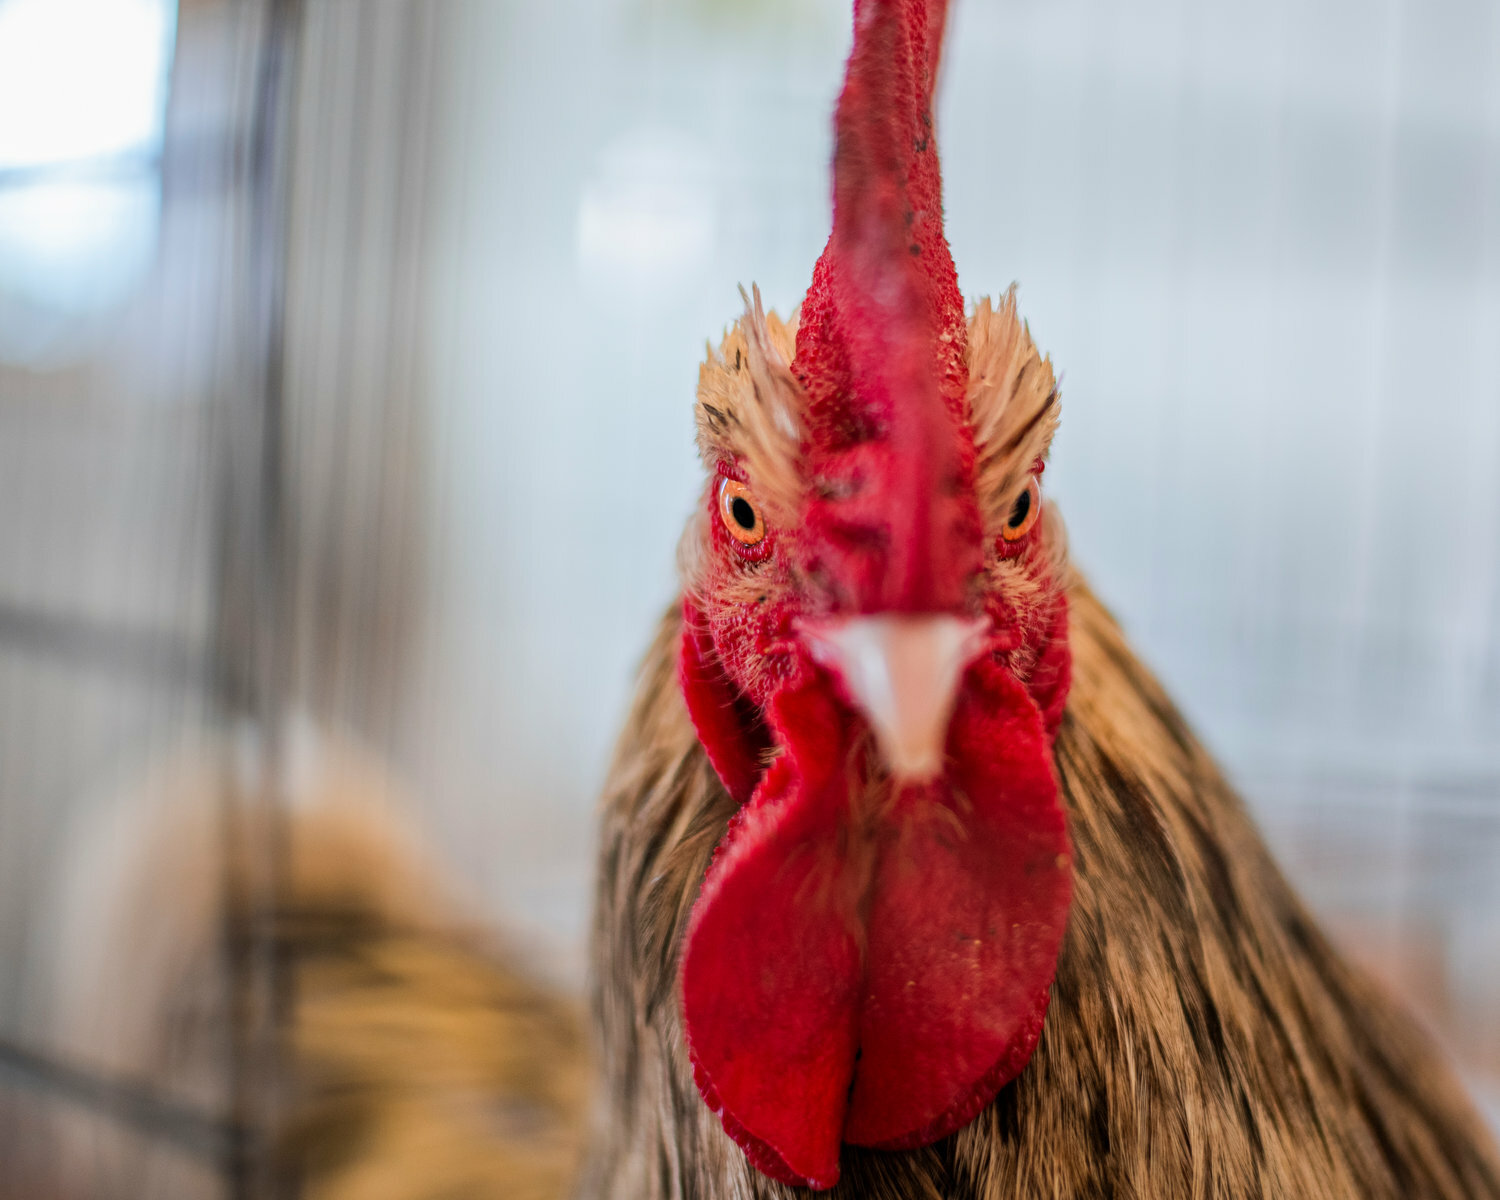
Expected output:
{"points": [[966, 916], [771, 966], [877, 987]]}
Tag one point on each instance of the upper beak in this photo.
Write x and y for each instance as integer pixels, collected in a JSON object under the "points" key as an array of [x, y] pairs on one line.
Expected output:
{"points": [[903, 673]]}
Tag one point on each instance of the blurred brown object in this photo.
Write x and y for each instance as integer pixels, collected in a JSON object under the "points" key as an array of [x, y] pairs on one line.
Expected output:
{"points": [[416, 1059], [426, 1064]]}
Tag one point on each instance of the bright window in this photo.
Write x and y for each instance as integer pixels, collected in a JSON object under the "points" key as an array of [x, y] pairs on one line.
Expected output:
{"points": [[83, 87]]}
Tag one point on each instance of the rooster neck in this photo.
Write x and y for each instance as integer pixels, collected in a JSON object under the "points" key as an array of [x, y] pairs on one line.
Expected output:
{"points": [[1203, 1037]]}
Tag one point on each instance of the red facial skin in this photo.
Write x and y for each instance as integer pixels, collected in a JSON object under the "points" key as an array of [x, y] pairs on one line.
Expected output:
{"points": [[867, 963]]}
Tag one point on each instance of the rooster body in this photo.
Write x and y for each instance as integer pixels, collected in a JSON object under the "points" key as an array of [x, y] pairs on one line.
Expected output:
{"points": [[1203, 1040]]}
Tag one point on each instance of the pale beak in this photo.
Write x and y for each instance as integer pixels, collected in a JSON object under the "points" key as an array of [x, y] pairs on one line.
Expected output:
{"points": [[903, 673]]}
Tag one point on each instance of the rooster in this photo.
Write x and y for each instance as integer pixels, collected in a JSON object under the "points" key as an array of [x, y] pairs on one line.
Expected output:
{"points": [[912, 880]]}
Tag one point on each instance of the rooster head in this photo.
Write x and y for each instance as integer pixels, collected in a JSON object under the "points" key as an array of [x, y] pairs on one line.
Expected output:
{"points": [[875, 659]]}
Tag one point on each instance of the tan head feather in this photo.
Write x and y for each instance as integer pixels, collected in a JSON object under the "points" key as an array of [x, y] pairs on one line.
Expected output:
{"points": [[1013, 405], [751, 407]]}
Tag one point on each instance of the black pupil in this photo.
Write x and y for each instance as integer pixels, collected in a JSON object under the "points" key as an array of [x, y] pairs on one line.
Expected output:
{"points": [[744, 515], [1022, 509]]}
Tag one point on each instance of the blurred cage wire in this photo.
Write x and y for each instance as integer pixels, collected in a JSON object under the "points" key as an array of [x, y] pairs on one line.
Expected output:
{"points": [[208, 529], [336, 459]]}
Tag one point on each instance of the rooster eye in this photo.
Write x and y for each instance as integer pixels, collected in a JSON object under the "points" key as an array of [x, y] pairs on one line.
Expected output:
{"points": [[740, 515], [1023, 513]]}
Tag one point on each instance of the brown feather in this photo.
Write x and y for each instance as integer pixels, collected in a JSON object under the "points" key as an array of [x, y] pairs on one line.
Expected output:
{"points": [[751, 407], [1012, 405]]}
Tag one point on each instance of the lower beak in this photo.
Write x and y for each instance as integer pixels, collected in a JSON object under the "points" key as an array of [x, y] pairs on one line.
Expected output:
{"points": [[902, 672]]}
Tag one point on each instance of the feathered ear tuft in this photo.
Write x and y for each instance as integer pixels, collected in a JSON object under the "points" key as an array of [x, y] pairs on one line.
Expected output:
{"points": [[751, 409], [1013, 405]]}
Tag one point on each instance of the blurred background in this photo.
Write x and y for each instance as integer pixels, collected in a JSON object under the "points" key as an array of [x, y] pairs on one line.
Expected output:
{"points": [[347, 350]]}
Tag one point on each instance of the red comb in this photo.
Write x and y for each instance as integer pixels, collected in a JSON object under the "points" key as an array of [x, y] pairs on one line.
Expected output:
{"points": [[881, 347]]}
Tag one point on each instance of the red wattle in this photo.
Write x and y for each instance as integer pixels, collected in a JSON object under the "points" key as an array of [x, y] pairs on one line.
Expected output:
{"points": [[771, 967], [874, 974], [726, 723]]}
